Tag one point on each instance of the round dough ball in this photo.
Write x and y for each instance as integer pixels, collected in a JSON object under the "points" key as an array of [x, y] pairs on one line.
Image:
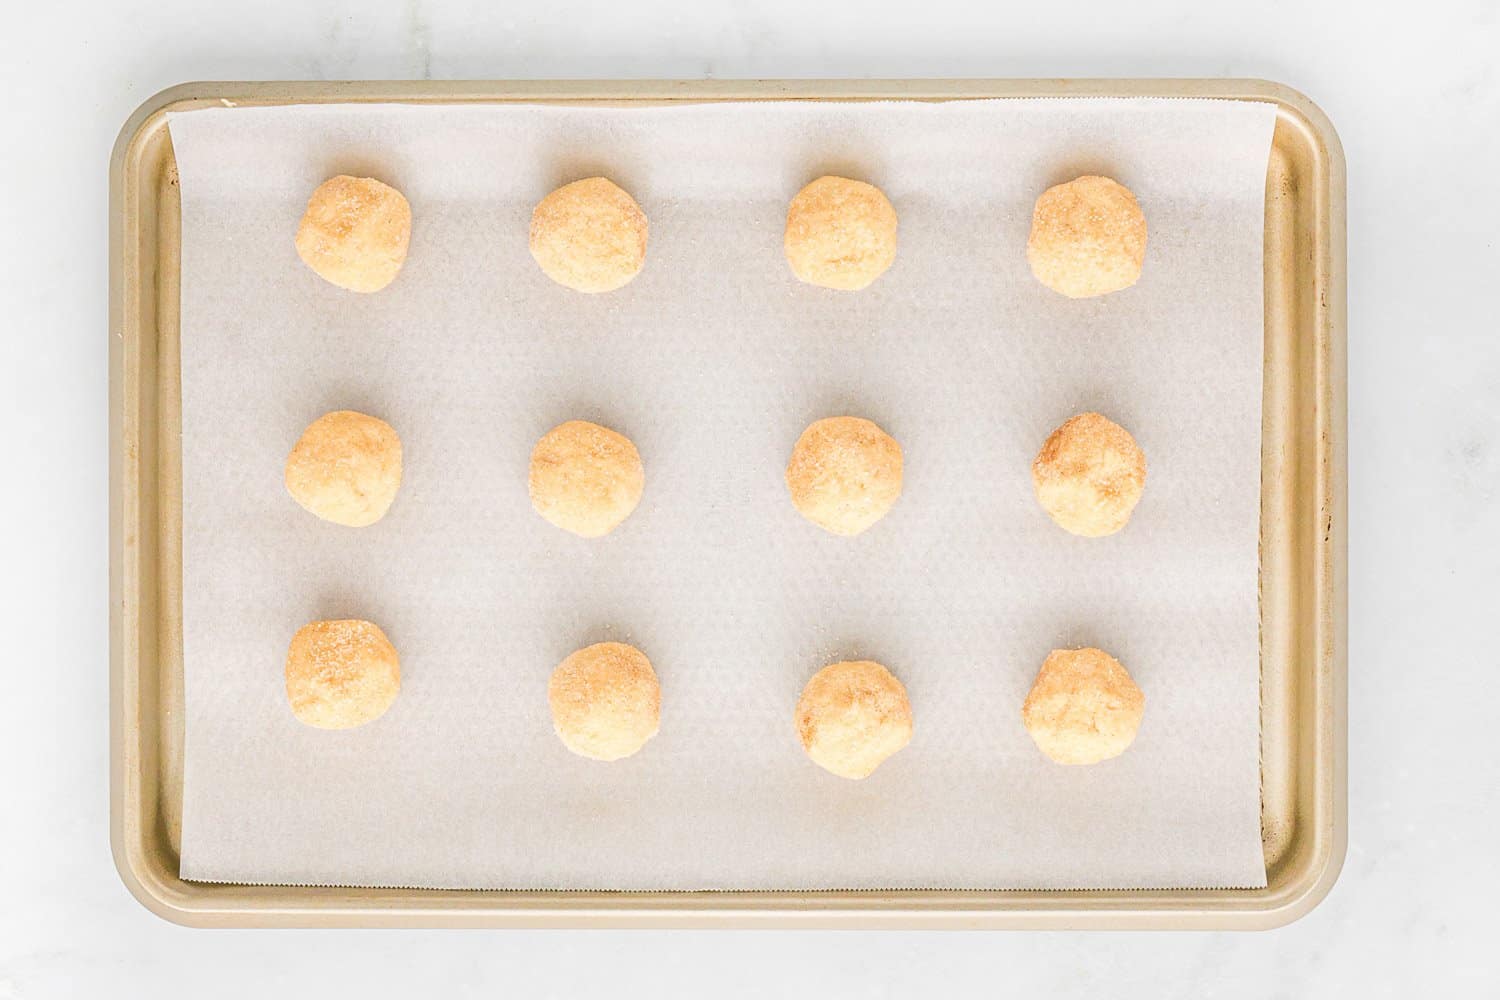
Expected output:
{"points": [[589, 235], [345, 468], [1083, 708], [840, 234], [341, 674], [606, 702], [585, 478], [845, 474], [1088, 237], [1089, 475], [355, 233], [852, 716]]}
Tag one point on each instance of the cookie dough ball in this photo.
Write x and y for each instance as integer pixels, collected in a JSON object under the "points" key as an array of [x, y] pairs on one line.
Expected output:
{"points": [[355, 233], [1083, 708], [585, 478], [589, 235], [345, 468], [852, 716], [1089, 475], [840, 234], [606, 702], [341, 674], [1088, 237], [845, 474]]}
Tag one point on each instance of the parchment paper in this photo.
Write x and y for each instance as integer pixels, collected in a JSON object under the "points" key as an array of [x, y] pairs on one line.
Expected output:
{"points": [[713, 361]]}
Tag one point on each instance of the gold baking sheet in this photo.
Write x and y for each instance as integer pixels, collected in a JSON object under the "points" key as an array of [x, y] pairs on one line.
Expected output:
{"points": [[1302, 572]]}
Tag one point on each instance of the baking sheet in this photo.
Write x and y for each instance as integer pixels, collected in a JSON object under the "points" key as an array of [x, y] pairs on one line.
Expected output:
{"points": [[713, 361]]}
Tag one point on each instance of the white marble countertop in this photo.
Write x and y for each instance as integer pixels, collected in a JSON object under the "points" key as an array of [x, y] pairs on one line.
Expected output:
{"points": [[1415, 93]]}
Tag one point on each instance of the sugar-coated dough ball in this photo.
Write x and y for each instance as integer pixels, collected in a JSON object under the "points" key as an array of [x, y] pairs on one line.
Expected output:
{"points": [[341, 674], [840, 233], [606, 702], [345, 468], [1088, 237], [852, 716], [1083, 708], [845, 474], [355, 233], [585, 478], [589, 235], [1090, 475]]}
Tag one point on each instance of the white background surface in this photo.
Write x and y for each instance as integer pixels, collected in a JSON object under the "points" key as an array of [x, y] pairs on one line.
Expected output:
{"points": [[1415, 93]]}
